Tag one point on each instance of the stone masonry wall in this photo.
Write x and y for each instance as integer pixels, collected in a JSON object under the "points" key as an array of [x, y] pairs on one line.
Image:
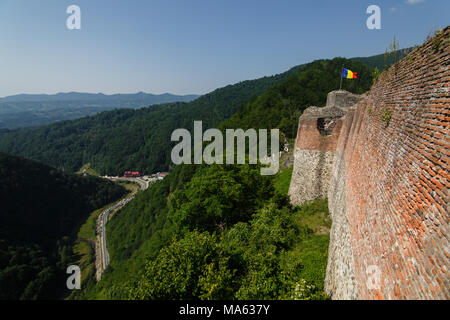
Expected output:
{"points": [[342, 99], [317, 137], [389, 185]]}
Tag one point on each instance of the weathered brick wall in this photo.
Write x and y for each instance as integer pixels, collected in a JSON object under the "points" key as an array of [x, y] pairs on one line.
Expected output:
{"points": [[389, 188]]}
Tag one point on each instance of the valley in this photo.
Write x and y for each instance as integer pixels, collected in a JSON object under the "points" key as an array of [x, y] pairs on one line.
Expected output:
{"points": [[80, 192]]}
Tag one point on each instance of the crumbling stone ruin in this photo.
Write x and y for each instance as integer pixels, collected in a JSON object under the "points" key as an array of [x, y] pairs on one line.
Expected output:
{"points": [[315, 147]]}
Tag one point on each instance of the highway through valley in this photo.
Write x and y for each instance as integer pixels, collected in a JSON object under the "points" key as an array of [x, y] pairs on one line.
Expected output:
{"points": [[101, 250]]}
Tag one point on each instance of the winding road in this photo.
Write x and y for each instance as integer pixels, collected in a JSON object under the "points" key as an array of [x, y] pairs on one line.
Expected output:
{"points": [[101, 252]]}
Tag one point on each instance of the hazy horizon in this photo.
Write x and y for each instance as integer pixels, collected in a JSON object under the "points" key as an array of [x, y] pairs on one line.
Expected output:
{"points": [[96, 93], [190, 48]]}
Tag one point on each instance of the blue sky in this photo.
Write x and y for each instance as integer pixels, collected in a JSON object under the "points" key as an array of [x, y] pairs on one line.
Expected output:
{"points": [[191, 46]]}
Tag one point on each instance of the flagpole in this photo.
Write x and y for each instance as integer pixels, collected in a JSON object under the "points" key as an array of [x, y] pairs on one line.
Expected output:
{"points": [[342, 70]]}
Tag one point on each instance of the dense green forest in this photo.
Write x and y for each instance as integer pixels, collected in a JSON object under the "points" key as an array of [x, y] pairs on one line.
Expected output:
{"points": [[41, 211], [215, 232]]}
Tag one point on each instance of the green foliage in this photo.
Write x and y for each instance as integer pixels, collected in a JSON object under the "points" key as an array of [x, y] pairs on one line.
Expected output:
{"points": [[283, 181], [219, 196], [86, 169], [137, 232], [272, 256], [437, 40], [85, 259], [269, 249], [192, 267], [386, 116], [262, 252], [42, 208], [204, 232], [375, 74], [119, 140], [392, 50]]}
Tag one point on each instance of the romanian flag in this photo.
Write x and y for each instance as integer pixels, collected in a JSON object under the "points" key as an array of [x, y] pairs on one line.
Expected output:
{"points": [[348, 74]]}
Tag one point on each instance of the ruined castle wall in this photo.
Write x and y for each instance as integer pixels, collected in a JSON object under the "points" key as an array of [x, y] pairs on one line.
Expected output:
{"points": [[340, 277], [389, 186], [314, 155], [342, 99]]}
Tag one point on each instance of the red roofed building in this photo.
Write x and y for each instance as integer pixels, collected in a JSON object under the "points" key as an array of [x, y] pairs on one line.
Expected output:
{"points": [[132, 174]]}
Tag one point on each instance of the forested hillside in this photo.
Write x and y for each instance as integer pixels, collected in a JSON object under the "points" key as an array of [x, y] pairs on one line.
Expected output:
{"points": [[119, 140], [41, 211], [224, 231], [215, 232]]}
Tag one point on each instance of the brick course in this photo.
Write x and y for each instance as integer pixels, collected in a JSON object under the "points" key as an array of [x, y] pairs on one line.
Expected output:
{"points": [[396, 181]]}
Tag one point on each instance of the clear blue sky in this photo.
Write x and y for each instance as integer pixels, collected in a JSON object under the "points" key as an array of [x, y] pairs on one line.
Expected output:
{"points": [[191, 46]]}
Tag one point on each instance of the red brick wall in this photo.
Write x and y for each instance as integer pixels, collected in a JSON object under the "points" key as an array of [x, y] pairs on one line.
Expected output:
{"points": [[397, 178], [311, 139]]}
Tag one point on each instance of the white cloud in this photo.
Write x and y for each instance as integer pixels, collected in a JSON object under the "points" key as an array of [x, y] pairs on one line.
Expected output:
{"points": [[414, 1]]}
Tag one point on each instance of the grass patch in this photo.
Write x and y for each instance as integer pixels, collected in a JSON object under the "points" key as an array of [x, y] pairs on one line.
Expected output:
{"points": [[85, 259], [87, 230], [130, 186], [283, 180], [311, 250], [314, 216], [88, 170]]}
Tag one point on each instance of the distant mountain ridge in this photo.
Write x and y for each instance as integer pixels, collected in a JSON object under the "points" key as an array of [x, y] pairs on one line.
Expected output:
{"points": [[81, 96], [24, 110]]}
